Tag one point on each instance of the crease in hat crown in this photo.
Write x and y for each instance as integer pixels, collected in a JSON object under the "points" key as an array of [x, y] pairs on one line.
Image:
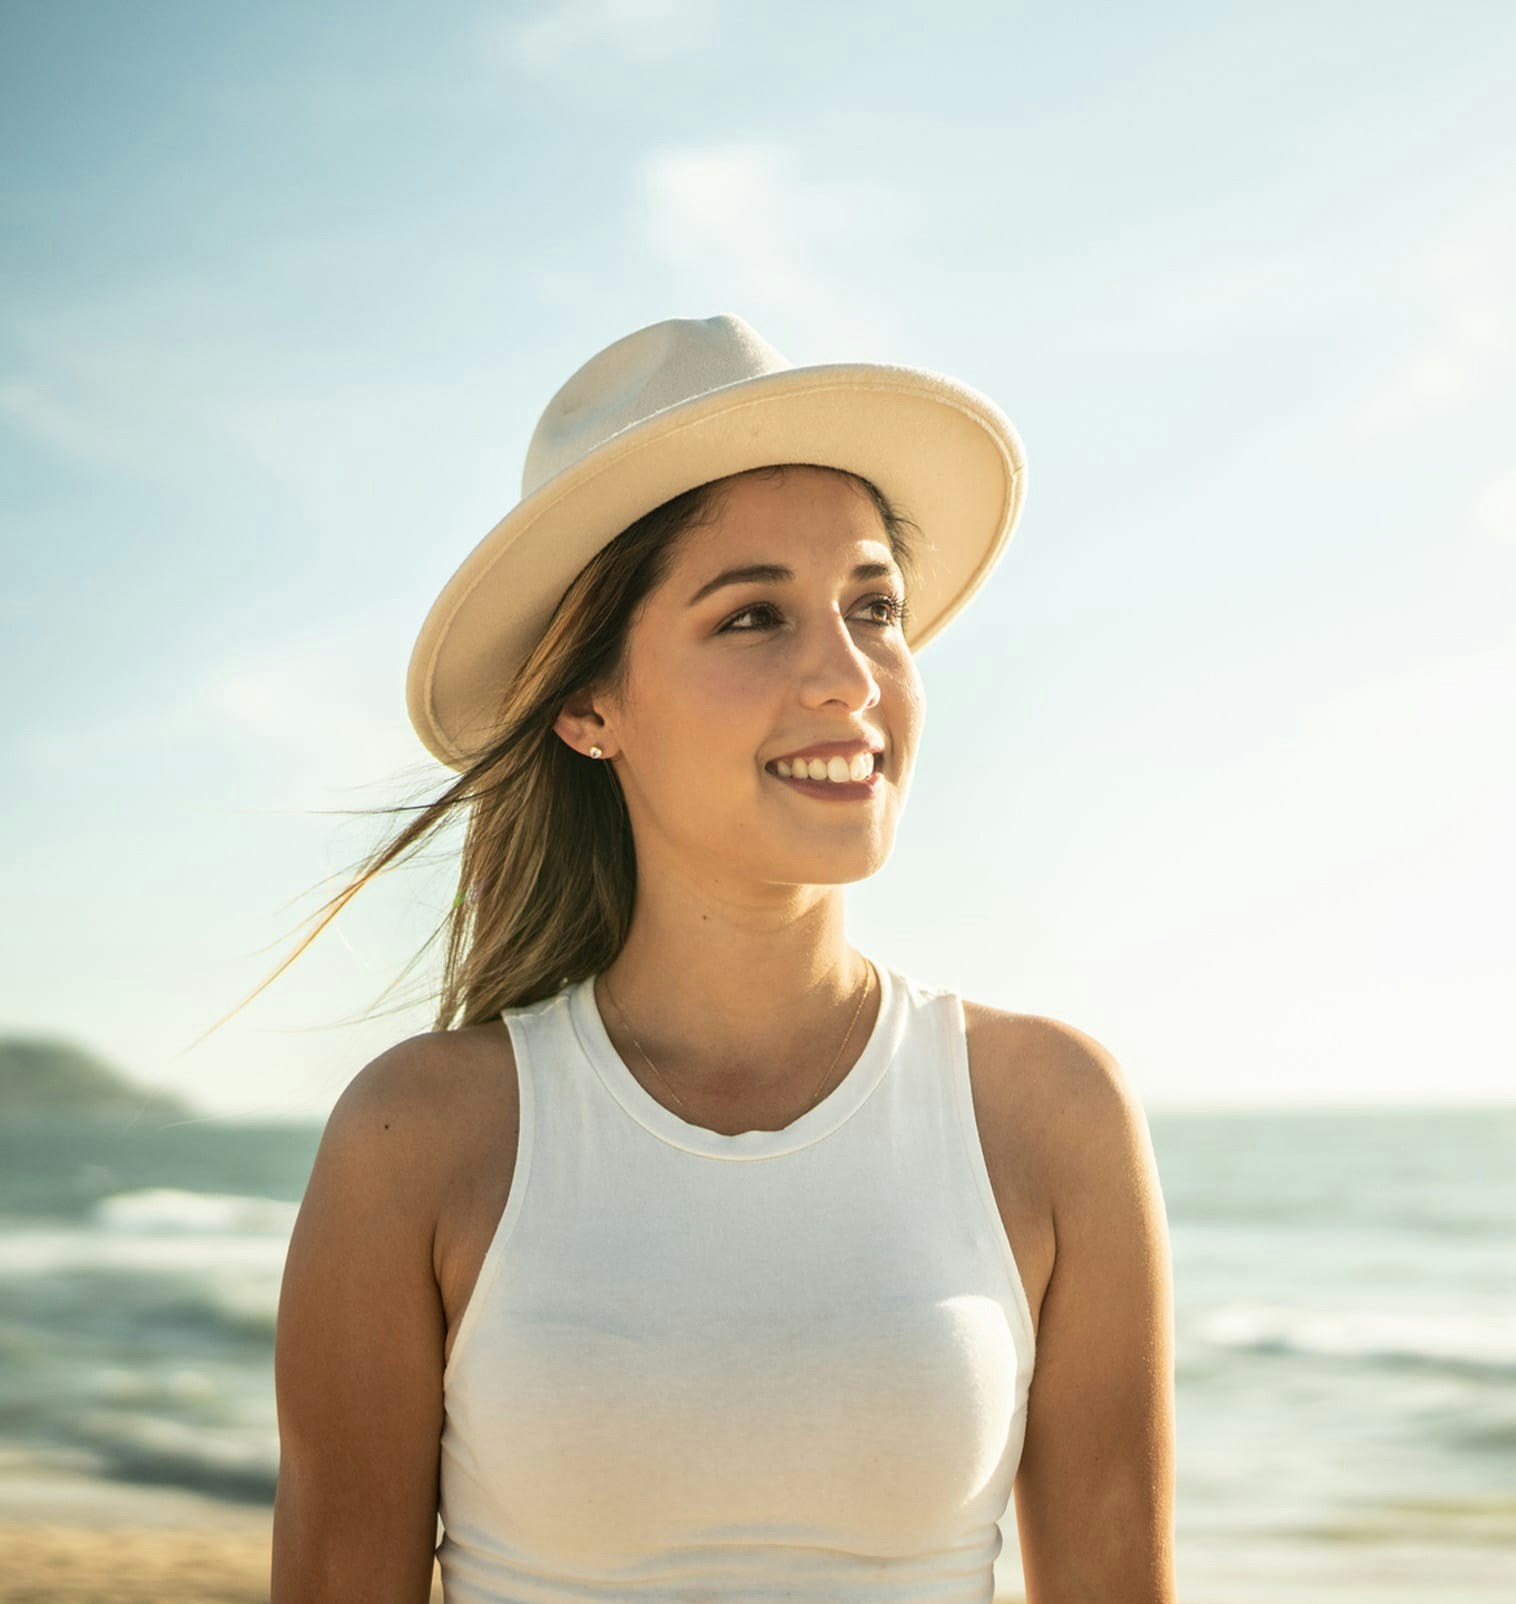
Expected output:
{"points": [[639, 376]]}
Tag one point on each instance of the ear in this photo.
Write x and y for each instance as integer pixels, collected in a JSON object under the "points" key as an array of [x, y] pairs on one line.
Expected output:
{"points": [[581, 725]]}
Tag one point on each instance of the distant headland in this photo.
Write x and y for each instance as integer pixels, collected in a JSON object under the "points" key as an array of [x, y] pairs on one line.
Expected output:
{"points": [[47, 1076]]}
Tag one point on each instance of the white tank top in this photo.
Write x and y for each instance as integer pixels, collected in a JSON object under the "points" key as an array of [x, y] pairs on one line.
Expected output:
{"points": [[786, 1364]]}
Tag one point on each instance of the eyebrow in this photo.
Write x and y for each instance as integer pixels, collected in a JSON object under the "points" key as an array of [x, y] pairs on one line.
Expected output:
{"points": [[776, 573]]}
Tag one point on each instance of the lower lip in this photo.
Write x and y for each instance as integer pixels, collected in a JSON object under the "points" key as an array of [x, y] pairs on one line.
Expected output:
{"points": [[833, 790]]}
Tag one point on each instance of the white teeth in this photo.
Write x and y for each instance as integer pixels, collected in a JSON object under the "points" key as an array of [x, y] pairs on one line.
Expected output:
{"points": [[839, 769]]}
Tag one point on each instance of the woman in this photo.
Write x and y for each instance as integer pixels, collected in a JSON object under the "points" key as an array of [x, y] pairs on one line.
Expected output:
{"points": [[696, 1254]]}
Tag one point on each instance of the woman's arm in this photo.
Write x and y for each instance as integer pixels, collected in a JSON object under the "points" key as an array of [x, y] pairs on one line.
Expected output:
{"points": [[358, 1349], [1094, 1493]]}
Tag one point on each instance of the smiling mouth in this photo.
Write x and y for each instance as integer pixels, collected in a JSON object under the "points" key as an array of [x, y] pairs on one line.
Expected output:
{"points": [[771, 767], [832, 790]]}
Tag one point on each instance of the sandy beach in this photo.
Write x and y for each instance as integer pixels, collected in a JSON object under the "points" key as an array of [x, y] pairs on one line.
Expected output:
{"points": [[73, 1539], [131, 1565]]}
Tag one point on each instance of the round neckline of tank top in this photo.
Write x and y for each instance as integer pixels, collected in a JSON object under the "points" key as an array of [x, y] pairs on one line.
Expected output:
{"points": [[844, 1099]]}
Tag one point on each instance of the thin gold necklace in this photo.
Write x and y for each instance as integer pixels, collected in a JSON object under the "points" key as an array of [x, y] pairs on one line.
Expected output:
{"points": [[868, 986]]}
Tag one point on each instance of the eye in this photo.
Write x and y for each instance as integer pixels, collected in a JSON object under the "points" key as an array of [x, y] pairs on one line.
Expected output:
{"points": [[897, 605], [898, 608]]}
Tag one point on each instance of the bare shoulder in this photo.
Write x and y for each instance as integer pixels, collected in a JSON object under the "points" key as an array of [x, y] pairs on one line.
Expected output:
{"points": [[1029, 1075], [422, 1105], [1054, 1094], [1039, 1049], [429, 1079]]}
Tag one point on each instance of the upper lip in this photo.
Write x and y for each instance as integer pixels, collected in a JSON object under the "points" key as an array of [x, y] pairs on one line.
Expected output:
{"points": [[825, 749]]}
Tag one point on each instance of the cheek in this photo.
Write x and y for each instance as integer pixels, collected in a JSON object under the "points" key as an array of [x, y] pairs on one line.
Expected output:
{"points": [[904, 698], [906, 677], [706, 725], [731, 698]]}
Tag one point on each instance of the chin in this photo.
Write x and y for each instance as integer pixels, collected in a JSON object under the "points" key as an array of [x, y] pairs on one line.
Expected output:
{"points": [[840, 866]]}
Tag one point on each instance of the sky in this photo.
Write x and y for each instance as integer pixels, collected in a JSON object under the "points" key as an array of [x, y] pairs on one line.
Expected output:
{"points": [[1220, 764]]}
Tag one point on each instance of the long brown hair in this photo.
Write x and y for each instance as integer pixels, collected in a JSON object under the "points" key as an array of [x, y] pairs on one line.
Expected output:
{"points": [[548, 858]]}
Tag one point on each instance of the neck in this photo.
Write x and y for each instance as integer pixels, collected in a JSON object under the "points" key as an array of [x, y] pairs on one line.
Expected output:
{"points": [[723, 1028]]}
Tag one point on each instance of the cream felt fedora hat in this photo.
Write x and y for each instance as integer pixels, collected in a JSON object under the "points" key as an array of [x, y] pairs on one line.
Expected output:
{"points": [[675, 405]]}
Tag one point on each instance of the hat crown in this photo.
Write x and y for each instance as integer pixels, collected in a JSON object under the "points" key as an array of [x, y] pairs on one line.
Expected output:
{"points": [[661, 366]]}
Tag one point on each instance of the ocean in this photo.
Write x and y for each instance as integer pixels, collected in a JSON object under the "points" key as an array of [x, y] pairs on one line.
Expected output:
{"points": [[1345, 1321]]}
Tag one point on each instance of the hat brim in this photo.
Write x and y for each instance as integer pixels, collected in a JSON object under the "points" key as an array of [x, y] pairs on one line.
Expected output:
{"points": [[945, 455]]}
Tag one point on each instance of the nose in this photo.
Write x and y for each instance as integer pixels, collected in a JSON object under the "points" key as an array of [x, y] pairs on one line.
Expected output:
{"points": [[834, 666]]}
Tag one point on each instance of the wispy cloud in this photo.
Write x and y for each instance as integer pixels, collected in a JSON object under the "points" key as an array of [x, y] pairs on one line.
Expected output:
{"points": [[180, 387], [137, 383], [1494, 511], [635, 30], [753, 217], [1461, 286], [310, 714], [62, 426], [1390, 784]]}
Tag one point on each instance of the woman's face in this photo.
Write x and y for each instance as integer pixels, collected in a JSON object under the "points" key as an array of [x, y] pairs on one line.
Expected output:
{"points": [[722, 683]]}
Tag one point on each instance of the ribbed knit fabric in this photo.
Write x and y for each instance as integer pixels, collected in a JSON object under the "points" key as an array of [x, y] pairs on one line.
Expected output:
{"points": [[785, 1364]]}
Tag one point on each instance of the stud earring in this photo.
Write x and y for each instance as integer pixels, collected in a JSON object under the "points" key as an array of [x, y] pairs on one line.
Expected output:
{"points": [[596, 752]]}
